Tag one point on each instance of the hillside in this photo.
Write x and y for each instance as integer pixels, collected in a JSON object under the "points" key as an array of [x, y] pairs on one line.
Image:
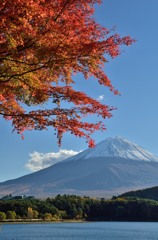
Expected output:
{"points": [[148, 193]]}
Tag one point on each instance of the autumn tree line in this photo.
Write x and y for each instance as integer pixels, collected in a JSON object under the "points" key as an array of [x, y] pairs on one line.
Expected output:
{"points": [[72, 207]]}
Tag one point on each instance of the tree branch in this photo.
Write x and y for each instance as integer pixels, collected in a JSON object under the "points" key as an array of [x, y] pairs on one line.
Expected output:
{"points": [[62, 10]]}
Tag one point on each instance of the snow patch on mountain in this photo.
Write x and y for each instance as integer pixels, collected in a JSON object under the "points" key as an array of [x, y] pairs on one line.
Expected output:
{"points": [[116, 147]]}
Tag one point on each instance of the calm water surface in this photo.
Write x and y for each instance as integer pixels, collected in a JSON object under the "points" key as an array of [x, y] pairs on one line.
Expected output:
{"points": [[80, 231]]}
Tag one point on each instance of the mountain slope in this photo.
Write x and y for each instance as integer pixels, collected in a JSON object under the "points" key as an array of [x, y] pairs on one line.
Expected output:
{"points": [[114, 166]]}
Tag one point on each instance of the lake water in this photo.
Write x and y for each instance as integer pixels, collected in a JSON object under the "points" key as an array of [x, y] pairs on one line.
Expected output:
{"points": [[80, 231]]}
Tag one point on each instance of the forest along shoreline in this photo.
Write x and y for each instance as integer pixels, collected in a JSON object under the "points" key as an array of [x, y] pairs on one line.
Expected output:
{"points": [[72, 208]]}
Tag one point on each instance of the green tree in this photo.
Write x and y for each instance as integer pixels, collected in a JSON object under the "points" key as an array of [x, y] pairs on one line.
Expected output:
{"points": [[2, 216], [10, 215], [62, 214], [47, 216], [34, 214]]}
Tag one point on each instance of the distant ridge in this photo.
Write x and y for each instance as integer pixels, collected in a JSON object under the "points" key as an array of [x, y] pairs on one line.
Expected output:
{"points": [[148, 193], [113, 167]]}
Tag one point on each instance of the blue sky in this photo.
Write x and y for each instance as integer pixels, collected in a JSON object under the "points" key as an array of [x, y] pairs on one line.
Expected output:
{"points": [[134, 73]]}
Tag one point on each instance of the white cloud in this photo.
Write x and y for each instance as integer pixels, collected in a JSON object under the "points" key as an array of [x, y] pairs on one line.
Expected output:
{"points": [[38, 161], [100, 98]]}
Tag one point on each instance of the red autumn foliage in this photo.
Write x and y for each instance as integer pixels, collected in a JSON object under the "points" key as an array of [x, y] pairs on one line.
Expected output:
{"points": [[42, 44]]}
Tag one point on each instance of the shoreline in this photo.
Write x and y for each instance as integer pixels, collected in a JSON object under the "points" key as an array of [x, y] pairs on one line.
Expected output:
{"points": [[40, 221]]}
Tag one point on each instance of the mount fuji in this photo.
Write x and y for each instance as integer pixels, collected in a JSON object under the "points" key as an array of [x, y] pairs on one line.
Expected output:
{"points": [[116, 147], [113, 167]]}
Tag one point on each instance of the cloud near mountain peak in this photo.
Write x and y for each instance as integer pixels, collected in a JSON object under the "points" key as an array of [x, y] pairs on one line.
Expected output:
{"points": [[38, 161]]}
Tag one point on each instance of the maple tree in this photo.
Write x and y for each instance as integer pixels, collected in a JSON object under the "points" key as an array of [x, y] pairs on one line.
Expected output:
{"points": [[42, 44]]}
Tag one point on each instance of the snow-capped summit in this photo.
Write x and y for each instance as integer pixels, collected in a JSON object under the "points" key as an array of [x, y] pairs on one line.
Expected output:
{"points": [[116, 147]]}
